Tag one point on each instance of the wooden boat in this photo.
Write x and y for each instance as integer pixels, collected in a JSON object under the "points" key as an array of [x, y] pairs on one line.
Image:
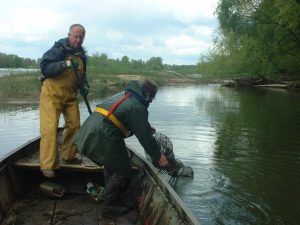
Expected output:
{"points": [[23, 200]]}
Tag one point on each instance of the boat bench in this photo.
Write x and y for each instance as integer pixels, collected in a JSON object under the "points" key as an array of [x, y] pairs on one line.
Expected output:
{"points": [[33, 162]]}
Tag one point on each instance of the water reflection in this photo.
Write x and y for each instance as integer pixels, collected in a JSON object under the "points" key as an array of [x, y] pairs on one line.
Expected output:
{"points": [[242, 144], [253, 168]]}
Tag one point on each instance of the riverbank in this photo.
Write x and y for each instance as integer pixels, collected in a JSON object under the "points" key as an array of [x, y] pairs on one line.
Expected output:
{"points": [[261, 81], [25, 88]]}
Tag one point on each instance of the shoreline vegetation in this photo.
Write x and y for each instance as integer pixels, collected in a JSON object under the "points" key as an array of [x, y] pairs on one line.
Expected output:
{"points": [[25, 88], [261, 81], [105, 76]]}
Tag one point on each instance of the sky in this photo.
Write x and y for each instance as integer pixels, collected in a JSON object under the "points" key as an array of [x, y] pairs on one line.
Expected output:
{"points": [[178, 31]]}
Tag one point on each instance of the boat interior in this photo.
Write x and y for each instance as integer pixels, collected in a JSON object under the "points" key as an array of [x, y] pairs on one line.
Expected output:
{"points": [[28, 198], [38, 200]]}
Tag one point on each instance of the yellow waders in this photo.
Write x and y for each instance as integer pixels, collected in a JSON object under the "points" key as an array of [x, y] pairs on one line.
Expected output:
{"points": [[59, 95]]}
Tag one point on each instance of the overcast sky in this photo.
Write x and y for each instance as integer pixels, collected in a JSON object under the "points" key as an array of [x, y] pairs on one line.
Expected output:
{"points": [[179, 31]]}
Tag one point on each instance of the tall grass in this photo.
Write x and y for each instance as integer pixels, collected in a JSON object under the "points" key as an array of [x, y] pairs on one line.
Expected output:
{"points": [[27, 86], [21, 86]]}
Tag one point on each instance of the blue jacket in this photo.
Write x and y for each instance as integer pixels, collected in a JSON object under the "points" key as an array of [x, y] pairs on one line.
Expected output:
{"points": [[53, 61]]}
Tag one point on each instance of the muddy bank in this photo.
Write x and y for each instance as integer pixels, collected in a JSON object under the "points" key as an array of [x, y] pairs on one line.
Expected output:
{"points": [[261, 81]]}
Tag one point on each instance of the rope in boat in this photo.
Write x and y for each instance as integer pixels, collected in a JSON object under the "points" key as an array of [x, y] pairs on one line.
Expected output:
{"points": [[53, 213]]}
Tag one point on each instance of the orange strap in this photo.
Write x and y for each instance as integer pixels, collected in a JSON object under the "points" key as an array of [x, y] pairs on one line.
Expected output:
{"points": [[114, 106]]}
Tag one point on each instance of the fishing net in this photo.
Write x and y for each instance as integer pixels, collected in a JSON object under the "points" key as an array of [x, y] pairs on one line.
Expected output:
{"points": [[166, 146], [175, 168]]}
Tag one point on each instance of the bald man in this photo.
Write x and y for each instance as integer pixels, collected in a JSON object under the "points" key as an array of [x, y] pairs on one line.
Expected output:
{"points": [[59, 96]]}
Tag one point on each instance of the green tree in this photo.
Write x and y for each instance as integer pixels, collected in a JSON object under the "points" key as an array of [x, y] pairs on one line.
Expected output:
{"points": [[125, 59], [14, 61], [155, 63], [256, 37]]}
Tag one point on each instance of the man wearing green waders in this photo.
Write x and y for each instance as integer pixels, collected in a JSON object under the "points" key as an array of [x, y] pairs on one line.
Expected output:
{"points": [[101, 138]]}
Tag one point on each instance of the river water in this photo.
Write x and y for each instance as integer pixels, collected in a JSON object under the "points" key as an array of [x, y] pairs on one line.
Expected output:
{"points": [[16, 71], [244, 147]]}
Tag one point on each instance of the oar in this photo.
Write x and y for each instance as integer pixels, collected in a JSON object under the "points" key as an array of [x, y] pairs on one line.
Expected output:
{"points": [[80, 86]]}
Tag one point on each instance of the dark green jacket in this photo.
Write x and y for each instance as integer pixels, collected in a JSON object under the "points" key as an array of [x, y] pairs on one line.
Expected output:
{"points": [[103, 142]]}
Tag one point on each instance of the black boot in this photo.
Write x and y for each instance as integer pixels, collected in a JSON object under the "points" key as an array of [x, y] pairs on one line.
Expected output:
{"points": [[127, 197], [113, 189]]}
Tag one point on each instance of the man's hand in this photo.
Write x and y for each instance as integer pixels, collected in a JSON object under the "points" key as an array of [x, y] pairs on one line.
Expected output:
{"points": [[162, 162], [69, 63], [84, 90], [153, 130]]}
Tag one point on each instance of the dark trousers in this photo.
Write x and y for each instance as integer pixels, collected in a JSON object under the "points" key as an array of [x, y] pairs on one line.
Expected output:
{"points": [[118, 191]]}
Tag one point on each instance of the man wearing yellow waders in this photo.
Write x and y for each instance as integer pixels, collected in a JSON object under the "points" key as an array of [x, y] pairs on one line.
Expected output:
{"points": [[101, 138], [59, 95]]}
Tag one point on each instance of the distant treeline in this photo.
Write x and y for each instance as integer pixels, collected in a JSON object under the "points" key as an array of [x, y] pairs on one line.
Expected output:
{"points": [[14, 61], [255, 38], [100, 63], [105, 76]]}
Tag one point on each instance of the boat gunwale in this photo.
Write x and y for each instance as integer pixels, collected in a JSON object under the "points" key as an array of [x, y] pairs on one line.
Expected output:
{"points": [[165, 187], [19, 150]]}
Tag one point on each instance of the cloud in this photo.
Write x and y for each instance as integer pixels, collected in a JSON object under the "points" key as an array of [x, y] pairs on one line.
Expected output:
{"points": [[184, 45], [186, 11], [27, 22], [177, 31]]}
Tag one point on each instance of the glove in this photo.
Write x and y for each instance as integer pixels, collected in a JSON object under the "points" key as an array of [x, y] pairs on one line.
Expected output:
{"points": [[84, 90], [69, 63]]}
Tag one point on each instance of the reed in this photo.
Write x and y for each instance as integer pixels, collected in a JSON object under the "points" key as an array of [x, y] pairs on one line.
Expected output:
{"points": [[27, 86], [20, 86]]}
